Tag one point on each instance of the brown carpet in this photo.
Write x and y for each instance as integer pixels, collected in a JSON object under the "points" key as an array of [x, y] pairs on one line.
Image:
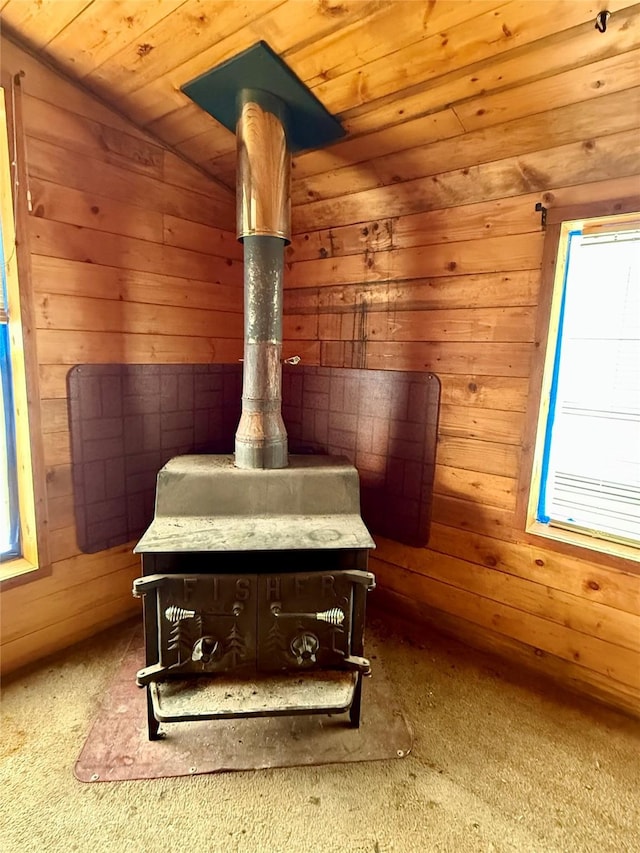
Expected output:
{"points": [[499, 763]]}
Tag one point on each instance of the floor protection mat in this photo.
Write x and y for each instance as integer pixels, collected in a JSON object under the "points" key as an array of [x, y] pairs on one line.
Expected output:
{"points": [[118, 749]]}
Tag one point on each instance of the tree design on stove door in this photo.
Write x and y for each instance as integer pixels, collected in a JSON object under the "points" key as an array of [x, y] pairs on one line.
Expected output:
{"points": [[277, 643], [235, 646], [184, 632]]}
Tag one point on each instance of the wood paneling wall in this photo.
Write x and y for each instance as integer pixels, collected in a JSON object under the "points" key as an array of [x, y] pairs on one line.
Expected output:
{"points": [[419, 253], [417, 247], [132, 260]]}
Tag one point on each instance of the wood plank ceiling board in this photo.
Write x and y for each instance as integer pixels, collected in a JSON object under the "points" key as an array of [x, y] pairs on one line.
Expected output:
{"points": [[421, 131], [194, 27], [398, 26], [399, 75], [616, 112], [610, 156], [181, 124], [493, 33], [39, 21], [155, 77], [576, 86], [613, 74], [103, 29], [560, 51], [37, 80], [297, 22]]}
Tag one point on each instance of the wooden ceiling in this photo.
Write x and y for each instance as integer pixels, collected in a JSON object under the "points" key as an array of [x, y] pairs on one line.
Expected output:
{"points": [[398, 74]]}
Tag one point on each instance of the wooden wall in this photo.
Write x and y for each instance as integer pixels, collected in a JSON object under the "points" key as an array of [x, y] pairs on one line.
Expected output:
{"points": [[132, 260], [426, 255], [417, 247]]}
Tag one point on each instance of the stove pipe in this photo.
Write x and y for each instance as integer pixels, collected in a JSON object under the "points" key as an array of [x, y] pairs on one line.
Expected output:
{"points": [[273, 114], [263, 226]]}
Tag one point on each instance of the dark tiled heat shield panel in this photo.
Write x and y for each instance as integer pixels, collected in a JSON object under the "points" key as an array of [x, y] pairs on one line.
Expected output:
{"points": [[127, 421]]}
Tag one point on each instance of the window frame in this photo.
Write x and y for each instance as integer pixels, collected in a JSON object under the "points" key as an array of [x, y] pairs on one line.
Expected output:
{"points": [[33, 561], [573, 542], [8, 421]]}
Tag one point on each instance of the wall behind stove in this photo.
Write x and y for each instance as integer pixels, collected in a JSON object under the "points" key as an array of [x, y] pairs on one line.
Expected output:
{"points": [[132, 261], [429, 259], [423, 258]]}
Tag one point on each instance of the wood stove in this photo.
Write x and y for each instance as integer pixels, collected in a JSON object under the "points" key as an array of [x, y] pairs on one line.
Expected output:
{"points": [[254, 578], [255, 565]]}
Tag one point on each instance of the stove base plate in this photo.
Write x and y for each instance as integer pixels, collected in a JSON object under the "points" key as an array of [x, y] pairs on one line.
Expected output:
{"points": [[264, 696]]}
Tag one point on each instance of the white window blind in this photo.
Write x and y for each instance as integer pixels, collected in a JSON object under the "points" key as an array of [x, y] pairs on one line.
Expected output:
{"points": [[591, 468]]}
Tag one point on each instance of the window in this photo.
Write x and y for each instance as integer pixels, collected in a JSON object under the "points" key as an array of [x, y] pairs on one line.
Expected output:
{"points": [[586, 479], [21, 554], [9, 513]]}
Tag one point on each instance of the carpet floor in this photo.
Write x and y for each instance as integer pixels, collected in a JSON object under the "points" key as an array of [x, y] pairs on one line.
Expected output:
{"points": [[500, 762]]}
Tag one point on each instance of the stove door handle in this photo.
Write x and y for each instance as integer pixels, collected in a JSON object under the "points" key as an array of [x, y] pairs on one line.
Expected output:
{"points": [[334, 616], [357, 576], [143, 585], [360, 664], [151, 673]]}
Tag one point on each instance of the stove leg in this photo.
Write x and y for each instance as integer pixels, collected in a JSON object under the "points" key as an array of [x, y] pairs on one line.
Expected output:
{"points": [[152, 724], [354, 711]]}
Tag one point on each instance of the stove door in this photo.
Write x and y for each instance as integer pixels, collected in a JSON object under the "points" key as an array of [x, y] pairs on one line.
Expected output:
{"points": [[213, 623], [198, 624], [311, 620]]}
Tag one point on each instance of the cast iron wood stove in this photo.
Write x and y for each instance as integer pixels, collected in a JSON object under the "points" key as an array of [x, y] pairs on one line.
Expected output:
{"points": [[254, 569], [254, 585]]}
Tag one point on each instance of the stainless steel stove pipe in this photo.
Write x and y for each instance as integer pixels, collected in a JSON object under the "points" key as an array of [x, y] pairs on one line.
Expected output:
{"points": [[263, 226]]}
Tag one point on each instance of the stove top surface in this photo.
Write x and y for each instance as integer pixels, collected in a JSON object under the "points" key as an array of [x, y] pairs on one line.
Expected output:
{"points": [[258, 533], [205, 503]]}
